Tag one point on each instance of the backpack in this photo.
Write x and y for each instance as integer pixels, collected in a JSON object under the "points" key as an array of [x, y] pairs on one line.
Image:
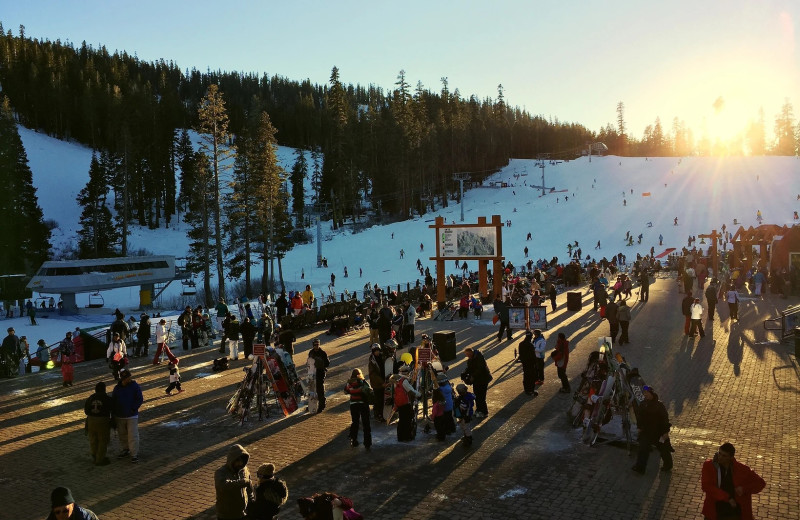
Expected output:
{"points": [[400, 394], [367, 393]]}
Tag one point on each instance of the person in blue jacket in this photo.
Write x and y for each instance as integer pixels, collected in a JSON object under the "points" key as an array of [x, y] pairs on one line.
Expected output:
{"points": [[128, 398], [447, 391]]}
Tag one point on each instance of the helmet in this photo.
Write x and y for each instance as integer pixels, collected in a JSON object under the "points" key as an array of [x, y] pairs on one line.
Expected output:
{"points": [[441, 377], [375, 346], [405, 369], [390, 344], [461, 388]]}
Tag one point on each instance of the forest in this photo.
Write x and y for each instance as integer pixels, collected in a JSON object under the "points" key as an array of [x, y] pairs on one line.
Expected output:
{"points": [[377, 154]]}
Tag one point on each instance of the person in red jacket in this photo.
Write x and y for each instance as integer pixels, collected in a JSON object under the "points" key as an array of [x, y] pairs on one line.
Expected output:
{"points": [[729, 486]]}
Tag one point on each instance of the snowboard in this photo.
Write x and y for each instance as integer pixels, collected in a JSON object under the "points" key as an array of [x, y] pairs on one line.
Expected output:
{"points": [[311, 382], [280, 386], [290, 372]]}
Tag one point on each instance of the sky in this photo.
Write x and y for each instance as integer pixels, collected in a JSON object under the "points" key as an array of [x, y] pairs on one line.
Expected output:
{"points": [[711, 63]]}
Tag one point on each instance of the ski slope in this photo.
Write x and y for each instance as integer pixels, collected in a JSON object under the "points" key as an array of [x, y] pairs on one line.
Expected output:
{"points": [[601, 199]]}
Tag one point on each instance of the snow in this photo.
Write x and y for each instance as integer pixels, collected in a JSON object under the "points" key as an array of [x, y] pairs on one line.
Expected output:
{"points": [[703, 192]]}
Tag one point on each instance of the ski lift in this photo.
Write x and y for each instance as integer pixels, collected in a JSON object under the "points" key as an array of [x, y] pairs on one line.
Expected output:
{"points": [[189, 288], [96, 300]]}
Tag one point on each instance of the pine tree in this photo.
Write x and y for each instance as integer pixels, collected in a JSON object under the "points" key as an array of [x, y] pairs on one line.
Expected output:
{"points": [[785, 137], [213, 127], [756, 135], [25, 236], [268, 177], [242, 210], [98, 236], [298, 177], [622, 129], [184, 153], [198, 217]]}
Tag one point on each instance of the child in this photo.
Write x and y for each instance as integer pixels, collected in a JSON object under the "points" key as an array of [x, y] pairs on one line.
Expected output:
{"points": [[437, 413], [463, 407], [477, 307], [174, 377]]}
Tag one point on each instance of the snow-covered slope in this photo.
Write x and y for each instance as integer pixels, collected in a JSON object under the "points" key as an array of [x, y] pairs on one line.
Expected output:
{"points": [[592, 201]]}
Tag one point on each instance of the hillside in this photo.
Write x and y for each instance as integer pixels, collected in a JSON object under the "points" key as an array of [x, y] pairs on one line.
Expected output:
{"points": [[597, 200]]}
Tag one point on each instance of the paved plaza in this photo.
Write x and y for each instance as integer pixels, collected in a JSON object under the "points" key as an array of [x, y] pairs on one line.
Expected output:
{"points": [[739, 384]]}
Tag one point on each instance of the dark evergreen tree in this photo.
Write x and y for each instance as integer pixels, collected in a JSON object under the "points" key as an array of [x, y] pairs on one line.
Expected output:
{"points": [[298, 178], [25, 236], [242, 211], [201, 241], [184, 154], [98, 235], [785, 136]]}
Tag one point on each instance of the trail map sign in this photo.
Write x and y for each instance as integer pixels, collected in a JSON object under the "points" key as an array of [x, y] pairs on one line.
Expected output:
{"points": [[482, 242], [472, 242]]}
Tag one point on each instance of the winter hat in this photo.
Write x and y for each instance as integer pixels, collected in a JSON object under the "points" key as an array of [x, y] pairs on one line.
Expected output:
{"points": [[405, 369], [442, 378], [61, 496], [375, 347], [528, 334], [124, 373], [266, 471], [461, 388]]}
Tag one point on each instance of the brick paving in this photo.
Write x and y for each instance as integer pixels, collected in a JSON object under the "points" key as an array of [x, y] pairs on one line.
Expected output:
{"points": [[737, 384]]}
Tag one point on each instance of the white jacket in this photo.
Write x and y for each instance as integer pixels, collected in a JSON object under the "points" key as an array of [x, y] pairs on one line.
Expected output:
{"points": [[161, 333], [116, 347], [540, 346], [697, 311]]}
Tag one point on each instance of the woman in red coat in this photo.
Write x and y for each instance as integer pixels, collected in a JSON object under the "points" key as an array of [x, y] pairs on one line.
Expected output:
{"points": [[729, 486]]}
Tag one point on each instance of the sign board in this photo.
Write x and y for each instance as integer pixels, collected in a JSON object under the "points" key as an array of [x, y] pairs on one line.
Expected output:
{"points": [[537, 317], [424, 355], [516, 317], [467, 242], [259, 350]]}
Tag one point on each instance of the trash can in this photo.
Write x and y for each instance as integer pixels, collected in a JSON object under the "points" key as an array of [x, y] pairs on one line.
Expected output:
{"points": [[797, 342], [445, 343], [574, 301]]}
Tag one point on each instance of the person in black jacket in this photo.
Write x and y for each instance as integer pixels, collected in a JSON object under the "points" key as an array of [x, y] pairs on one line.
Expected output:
{"points": [[248, 331], [385, 316], [269, 495], [98, 409], [653, 425], [644, 281], [527, 356], [478, 374], [281, 304], [686, 305], [62, 505], [321, 363], [501, 309], [143, 336], [711, 298]]}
